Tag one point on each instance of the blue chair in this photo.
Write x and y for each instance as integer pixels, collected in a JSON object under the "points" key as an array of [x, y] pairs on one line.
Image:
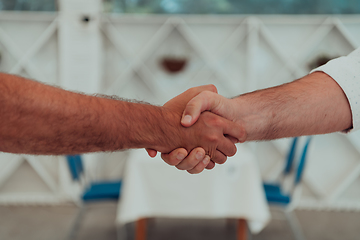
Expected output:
{"points": [[275, 192], [109, 190], [94, 191]]}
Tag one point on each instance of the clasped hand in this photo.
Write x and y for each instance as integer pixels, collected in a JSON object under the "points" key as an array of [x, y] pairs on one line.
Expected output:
{"points": [[203, 137]]}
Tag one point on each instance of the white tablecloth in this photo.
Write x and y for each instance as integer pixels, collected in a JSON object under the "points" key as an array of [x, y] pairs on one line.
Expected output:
{"points": [[151, 188]]}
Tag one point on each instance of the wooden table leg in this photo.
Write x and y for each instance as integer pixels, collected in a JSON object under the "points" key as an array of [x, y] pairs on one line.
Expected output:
{"points": [[241, 229], [140, 232]]}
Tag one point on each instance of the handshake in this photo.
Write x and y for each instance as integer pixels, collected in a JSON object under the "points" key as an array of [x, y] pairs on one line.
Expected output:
{"points": [[193, 131], [212, 124], [41, 119], [208, 130]]}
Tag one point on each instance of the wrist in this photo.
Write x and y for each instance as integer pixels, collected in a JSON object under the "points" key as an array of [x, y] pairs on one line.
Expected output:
{"points": [[137, 125], [252, 117], [170, 134]]}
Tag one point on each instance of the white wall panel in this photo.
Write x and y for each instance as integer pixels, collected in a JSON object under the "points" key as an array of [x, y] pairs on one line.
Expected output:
{"points": [[236, 53]]}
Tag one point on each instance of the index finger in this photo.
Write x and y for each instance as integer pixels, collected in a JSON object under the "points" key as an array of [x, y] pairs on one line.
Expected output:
{"points": [[235, 131]]}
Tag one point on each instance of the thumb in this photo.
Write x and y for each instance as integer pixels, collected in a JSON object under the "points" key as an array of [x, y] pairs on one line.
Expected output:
{"points": [[205, 101]]}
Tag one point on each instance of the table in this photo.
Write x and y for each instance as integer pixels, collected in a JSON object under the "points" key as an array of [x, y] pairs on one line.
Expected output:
{"points": [[151, 188]]}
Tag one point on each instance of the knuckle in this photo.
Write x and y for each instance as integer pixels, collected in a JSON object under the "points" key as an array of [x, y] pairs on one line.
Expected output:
{"points": [[212, 87], [212, 119], [217, 121], [209, 167], [233, 151], [204, 94], [220, 160], [213, 138], [191, 107], [192, 90], [243, 136]]}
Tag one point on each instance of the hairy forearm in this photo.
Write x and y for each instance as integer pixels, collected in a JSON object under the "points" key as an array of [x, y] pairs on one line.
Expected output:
{"points": [[40, 119], [314, 104]]}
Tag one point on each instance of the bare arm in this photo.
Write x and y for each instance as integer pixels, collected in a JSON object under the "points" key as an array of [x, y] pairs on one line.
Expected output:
{"points": [[312, 105], [40, 119]]}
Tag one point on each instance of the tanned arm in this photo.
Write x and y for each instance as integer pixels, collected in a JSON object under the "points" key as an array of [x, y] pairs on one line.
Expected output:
{"points": [[41, 119]]}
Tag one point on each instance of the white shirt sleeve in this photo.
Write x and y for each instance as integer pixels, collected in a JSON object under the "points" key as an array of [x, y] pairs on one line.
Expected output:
{"points": [[346, 72]]}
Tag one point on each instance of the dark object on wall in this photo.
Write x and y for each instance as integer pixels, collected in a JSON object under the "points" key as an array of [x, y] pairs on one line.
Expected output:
{"points": [[173, 65], [86, 19], [319, 61]]}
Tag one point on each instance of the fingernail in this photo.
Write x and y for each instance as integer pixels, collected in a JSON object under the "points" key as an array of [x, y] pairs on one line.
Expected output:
{"points": [[186, 119], [206, 160], [180, 156], [199, 155]]}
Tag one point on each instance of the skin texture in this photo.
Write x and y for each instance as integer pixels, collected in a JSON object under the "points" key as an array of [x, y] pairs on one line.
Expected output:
{"points": [[314, 104], [41, 119]]}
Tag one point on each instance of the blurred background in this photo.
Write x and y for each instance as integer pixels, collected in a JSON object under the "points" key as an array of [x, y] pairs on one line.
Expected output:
{"points": [[152, 50]]}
